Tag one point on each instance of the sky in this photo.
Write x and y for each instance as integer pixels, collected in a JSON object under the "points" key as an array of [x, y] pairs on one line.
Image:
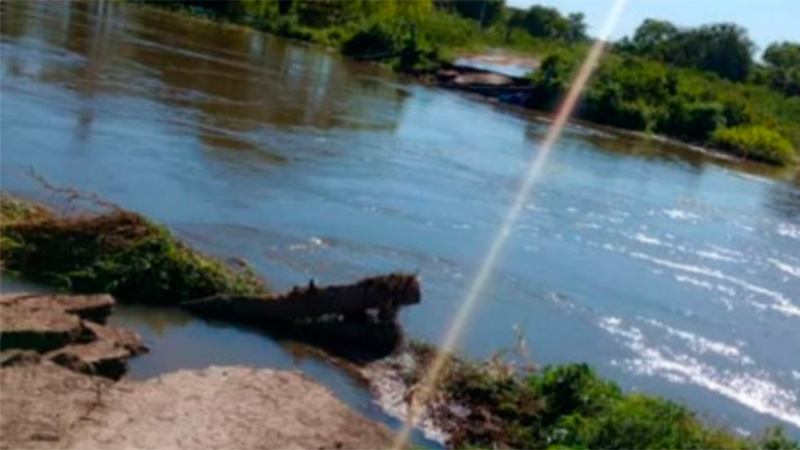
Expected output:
{"points": [[766, 20]]}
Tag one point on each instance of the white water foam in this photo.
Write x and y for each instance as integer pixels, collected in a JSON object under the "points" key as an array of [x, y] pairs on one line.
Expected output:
{"points": [[780, 303], [755, 391], [716, 256], [726, 290], [679, 214], [649, 240], [702, 345], [725, 251], [789, 230], [783, 267], [308, 245], [695, 282]]}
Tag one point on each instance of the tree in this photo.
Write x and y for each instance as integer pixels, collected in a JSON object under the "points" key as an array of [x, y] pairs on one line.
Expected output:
{"points": [[545, 22], [783, 67], [515, 18], [486, 12], [723, 48], [284, 6], [653, 38], [782, 55], [577, 27], [326, 13]]}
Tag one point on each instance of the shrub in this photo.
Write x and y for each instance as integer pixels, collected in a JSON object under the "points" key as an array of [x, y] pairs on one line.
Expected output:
{"points": [[376, 40], [570, 406], [641, 421], [606, 105], [755, 142], [573, 389], [397, 42], [690, 121], [448, 30], [552, 80]]}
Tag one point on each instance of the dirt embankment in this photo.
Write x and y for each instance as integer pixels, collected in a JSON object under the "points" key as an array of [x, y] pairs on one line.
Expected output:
{"points": [[58, 365]]}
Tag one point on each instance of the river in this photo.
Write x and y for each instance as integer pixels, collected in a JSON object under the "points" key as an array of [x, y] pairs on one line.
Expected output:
{"points": [[671, 272]]}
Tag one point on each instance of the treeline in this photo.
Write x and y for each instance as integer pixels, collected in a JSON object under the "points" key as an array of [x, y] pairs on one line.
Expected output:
{"points": [[640, 94], [700, 85], [724, 49]]}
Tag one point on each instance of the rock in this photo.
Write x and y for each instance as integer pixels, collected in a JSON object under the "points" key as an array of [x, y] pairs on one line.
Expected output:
{"points": [[18, 357], [121, 337], [480, 78], [221, 407], [39, 329], [43, 402], [95, 308], [106, 356], [67, 331], [446, 75]]}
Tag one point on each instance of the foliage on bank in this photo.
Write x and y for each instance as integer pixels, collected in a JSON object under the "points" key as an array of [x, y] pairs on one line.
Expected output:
{"points": [[754, 142], [119, 252], [695, 107], [567, 406]]}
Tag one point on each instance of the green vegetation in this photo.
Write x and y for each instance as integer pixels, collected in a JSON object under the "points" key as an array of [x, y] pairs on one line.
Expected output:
{"points": [[724, 49], [567, 406], [119, 252], [782, 69], [548, 23], [685, 83], [754, 142], [645, 95]]}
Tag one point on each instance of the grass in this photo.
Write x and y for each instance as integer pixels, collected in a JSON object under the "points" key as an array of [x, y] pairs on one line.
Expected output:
{"points": [[119, 252], [565, 406]]}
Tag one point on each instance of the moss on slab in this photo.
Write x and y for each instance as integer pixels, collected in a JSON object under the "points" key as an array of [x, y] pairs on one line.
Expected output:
{"points": [[119, 252]]}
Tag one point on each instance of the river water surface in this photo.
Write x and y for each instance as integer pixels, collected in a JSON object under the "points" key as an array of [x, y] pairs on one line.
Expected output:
{"points": [[670, 272]]}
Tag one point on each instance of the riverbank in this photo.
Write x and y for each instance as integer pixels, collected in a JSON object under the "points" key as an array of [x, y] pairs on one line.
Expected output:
{"points": [[491, 404], [696, 108]]}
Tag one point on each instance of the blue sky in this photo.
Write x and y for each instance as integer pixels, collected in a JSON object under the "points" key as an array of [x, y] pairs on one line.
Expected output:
{"points": [[766, 20]]}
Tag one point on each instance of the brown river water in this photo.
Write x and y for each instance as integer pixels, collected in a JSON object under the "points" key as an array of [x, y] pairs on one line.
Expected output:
{"points": [[671, 272]]}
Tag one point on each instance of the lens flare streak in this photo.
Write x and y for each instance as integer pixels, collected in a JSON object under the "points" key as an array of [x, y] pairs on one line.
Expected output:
{"points": [[533, 171]]}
